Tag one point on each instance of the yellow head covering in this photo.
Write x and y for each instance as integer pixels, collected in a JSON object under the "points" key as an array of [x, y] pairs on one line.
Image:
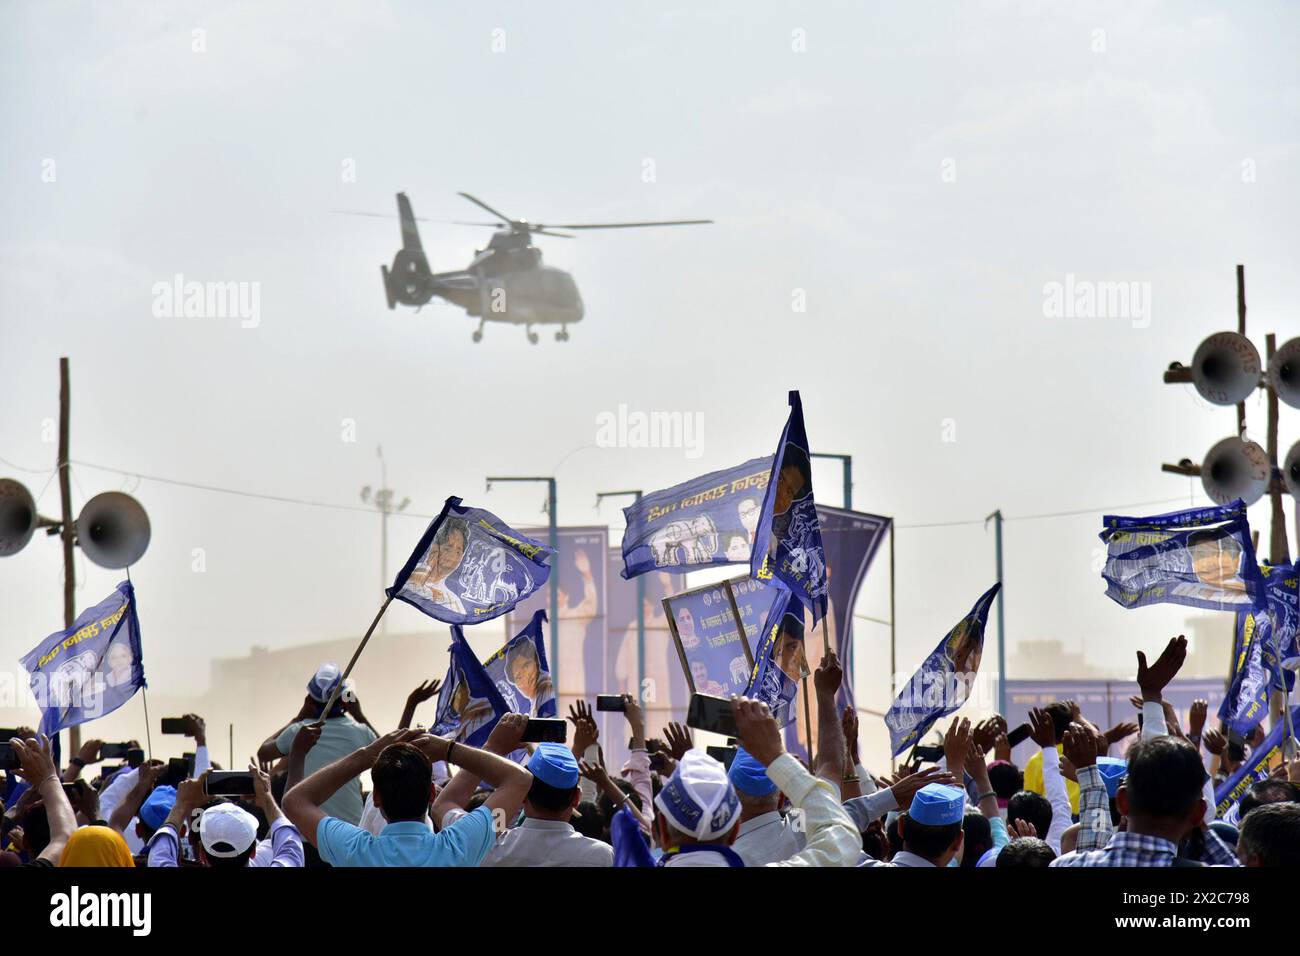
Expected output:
{"points": [[96, 846]]}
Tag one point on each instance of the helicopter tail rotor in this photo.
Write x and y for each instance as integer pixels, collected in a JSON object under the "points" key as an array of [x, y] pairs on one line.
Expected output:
{"points": [[408, 280]]}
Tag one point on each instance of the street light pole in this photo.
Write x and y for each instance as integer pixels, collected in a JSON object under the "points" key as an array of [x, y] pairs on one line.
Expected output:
{"points": [[382, 499], [847, 462], [996, 518], [640, 600], [554, 542]]}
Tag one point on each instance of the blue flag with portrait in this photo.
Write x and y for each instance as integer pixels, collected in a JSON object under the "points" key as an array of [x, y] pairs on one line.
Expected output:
{"points": [[788, 542], [710, 520], [470, 566], [1255, 768], [469, 705], [520, 674], [1201, 557], [943, 681], [1259, 649], [779, 661], [90, 669]]}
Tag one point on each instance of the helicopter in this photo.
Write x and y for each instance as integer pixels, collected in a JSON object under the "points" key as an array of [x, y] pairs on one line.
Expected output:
{"points": [[506, 281]]}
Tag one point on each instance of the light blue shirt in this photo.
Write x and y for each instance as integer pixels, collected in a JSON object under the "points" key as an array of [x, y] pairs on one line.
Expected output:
{"points": [[409, 843]]}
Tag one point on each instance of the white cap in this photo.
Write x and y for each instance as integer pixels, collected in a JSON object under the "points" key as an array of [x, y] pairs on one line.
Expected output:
{"points": [[698, 799], [324, 681], [227, 830]]}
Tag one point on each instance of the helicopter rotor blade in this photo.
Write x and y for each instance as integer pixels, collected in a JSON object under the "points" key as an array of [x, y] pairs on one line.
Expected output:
{"points": [[546, 231], [505, 220], [622, 225]]}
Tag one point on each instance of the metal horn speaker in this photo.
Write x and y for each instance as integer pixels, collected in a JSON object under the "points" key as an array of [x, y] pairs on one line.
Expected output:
{"points": [[17, 517], [1235, 469], [113, 530], [1284, 373], [1291, 471], [1226, 368]]}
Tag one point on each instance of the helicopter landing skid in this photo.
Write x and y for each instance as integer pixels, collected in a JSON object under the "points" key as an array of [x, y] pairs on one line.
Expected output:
{"points": [[563, 334], [478, 333]]}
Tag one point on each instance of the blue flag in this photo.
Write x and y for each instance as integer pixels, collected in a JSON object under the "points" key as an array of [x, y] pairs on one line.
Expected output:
{"points": [[788, 542], [470, 566], [630, 847], [779, 660], [519, 672], [943, 681], [92, 668], [469, 706], [1253, 769], [1261, 639], [1202, 557], [706, 521]]}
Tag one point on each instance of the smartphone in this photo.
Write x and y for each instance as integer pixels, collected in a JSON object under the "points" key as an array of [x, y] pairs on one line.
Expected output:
{"points": [[114, 751], [178, 769], [611, 702], [229, 783], [175, 725], [723, 755], [9, 733], [713, 714], [1019, 734], [927, 754], [8, 757], [545, 730]]}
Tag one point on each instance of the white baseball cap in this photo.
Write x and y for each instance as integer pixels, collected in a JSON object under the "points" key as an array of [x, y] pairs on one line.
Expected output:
{"points": [[698, 799], [324, 681], [227, 830]]}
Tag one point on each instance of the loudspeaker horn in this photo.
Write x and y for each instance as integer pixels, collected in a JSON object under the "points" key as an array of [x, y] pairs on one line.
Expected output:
{"points": [[1226, 368], [113, 530], [1235, 469], [17, 517]]}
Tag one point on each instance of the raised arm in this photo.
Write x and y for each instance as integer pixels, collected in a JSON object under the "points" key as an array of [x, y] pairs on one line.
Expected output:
{"points": [[302, 803], [510, 782], [1043, 732], [423, 692], [1153, 679], [832, 839], [503, 740], [146, 779], [832, 753], [1095, 828], [36, 766]]}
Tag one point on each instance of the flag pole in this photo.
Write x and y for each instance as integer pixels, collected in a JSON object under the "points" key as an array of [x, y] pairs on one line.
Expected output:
{"points": [[338, 689], [807, 719]]}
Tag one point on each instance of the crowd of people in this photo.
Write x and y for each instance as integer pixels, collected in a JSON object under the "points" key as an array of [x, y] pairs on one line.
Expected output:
{"points": [[440, 802]]}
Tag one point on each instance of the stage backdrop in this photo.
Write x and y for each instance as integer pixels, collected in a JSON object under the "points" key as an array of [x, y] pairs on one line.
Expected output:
{"points": [[851, 540]]}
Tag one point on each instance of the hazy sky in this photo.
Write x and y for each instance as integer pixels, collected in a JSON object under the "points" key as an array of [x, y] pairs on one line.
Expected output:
{"points": [[916, 173]]}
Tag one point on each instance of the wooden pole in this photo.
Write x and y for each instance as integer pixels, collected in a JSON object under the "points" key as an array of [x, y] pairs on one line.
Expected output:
{"points": [[67, 528], [329, 705], [807, 719]]}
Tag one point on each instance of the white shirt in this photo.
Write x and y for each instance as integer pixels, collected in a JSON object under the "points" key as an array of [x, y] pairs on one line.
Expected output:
{"points": [[547, 843], [767, 838]]}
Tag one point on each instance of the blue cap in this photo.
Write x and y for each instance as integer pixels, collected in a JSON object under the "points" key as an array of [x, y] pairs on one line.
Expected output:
{"points": [[1112, 771], [554, 764], [157, 806], [936, 805], [749, 776]]}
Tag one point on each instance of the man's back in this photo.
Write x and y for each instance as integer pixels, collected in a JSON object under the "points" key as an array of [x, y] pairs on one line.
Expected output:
{"points": [[548, 843], [339, 738], [408, 843]]}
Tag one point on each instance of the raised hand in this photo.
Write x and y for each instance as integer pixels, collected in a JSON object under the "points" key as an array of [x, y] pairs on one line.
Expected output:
{"points": [[757, 730], [1215, 742], [957, 743], [504, 739], [986, 732], [306, 738], [904, 789], [595, 772], [1196, 717], [1154, 678], [1125, 728], [1080, 746], [829, 675], [677, 737], [1023, 828], [1041, 729], [35, 759], [424, 691], [585, 731]]}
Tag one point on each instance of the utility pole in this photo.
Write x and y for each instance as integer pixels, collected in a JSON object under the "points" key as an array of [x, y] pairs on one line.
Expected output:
{"points": [[67, 528], [554, 541], [1225, 371], [382, 499], [847, 462], [640, 601], [996, 518]]}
